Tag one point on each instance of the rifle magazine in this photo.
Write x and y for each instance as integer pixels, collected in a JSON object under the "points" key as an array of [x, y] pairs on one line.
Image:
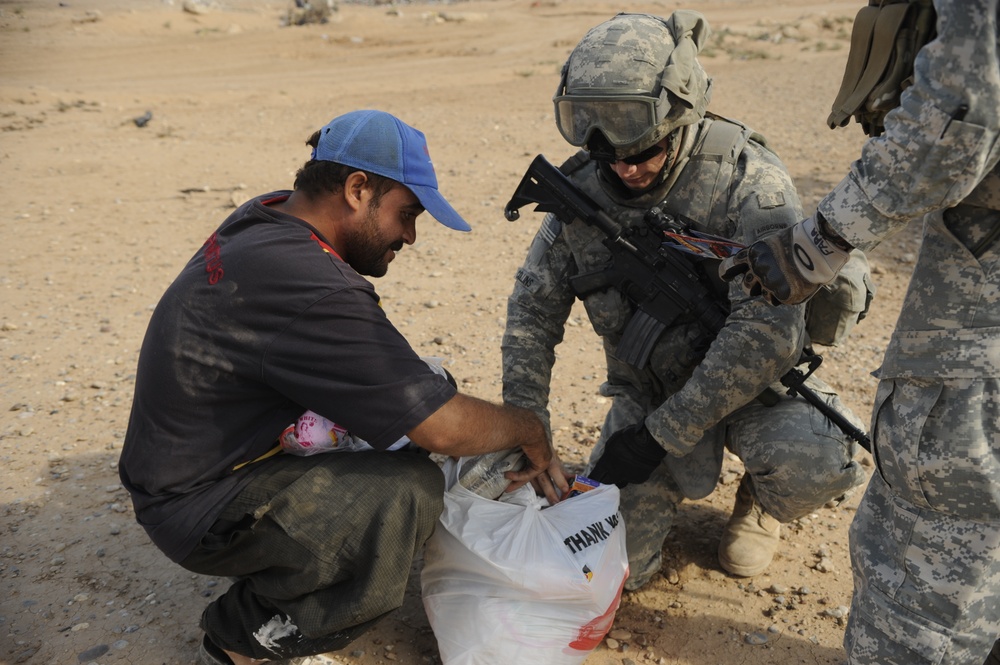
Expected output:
{"points": [[639, 338]]}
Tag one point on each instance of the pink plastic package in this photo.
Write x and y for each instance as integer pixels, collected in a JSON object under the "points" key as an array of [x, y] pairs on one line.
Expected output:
{"points": [[312, 433]]}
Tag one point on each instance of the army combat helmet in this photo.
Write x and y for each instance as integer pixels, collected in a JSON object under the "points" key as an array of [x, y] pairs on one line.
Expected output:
{"points": [[631, 81]]}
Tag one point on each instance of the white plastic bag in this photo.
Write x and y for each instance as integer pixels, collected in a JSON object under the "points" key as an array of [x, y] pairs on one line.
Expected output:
{"points": [[514, 581]]}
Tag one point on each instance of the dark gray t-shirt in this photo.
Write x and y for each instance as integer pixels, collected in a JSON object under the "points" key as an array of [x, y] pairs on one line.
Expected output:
{"points": [[263, 323]]}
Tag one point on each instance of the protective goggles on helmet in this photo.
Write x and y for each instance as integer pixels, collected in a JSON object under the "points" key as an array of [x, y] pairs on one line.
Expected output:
{"points": [[623, 119]]}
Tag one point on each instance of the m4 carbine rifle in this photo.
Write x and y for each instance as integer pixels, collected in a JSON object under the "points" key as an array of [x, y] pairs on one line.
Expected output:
{"points": [[660, 281]]}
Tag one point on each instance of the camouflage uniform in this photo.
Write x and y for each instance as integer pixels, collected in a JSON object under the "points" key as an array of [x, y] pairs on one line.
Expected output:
{"points": [[926, 538], [694, 401]]}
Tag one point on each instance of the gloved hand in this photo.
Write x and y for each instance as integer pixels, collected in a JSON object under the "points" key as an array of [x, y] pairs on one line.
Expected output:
{"points": [[787, 267], [630, 456]]}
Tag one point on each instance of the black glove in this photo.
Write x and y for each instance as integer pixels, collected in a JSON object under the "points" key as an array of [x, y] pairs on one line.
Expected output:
{"points": [[787, 267], [630, 456]]}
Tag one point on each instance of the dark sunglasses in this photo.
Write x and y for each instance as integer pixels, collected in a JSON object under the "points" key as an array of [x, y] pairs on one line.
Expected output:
{"points": [[642, 157]]}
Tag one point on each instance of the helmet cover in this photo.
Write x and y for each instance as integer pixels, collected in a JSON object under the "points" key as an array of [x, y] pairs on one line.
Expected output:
{"points": [[650, 64]]}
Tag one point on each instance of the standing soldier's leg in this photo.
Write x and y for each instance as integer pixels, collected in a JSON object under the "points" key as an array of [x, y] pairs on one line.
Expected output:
{"points": [[925, 540]]}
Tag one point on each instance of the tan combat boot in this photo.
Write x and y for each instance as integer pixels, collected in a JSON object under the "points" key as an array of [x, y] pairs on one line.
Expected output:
{"points": [[751, 536]]}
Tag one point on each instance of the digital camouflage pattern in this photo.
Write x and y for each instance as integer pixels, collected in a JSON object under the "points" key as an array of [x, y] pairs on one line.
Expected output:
{"points": [[695, 400], [641, 54], [939, 144], [926, 538]]}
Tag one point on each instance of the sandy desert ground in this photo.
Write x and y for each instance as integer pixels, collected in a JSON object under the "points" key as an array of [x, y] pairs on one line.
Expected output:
{"points": [[101, 214]]}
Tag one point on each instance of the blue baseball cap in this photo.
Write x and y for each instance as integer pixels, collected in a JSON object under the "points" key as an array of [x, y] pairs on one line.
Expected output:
{"points": [[379, 142]]}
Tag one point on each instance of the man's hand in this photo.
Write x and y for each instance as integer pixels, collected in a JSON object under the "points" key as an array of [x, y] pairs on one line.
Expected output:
{"points": [[551, 480], [466, 426], [544, 470], [788, 267], [630, 456]]}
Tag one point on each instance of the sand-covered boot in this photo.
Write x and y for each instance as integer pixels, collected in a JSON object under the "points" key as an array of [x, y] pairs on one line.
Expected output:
{"points": [[751, 536]]}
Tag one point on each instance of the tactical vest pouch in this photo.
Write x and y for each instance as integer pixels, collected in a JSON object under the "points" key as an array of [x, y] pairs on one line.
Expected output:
{"points": [[884, 42], [608, 311], [836, 308]]}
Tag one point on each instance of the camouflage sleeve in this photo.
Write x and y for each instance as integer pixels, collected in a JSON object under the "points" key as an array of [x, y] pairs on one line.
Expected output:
{"points": [[537, 310], [939, 143], [759, 342]]}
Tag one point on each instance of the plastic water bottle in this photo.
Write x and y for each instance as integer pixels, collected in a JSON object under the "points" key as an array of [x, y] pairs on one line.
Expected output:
{"points": [[483, 474]]}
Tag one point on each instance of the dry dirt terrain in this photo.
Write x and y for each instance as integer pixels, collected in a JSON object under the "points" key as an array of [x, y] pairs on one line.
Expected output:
{"points": [[130, 129]]}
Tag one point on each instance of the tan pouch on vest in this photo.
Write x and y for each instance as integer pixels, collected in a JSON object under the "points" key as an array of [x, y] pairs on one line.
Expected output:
{"points": [[884, 42], [837, 307]]}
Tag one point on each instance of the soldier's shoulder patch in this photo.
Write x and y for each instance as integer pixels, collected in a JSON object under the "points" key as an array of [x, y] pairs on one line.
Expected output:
{"points": [[550, 229], [770, 199], [760, 230]]}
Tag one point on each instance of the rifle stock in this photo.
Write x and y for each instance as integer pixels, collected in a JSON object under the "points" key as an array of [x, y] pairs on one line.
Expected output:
{"points": [[661, 282]]}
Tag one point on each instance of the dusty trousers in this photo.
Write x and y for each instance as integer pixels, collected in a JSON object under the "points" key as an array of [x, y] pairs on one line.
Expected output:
{"points": [[320, 548]]}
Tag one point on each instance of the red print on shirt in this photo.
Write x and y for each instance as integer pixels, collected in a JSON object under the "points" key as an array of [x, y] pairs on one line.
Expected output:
{"points": [[213, 259]]}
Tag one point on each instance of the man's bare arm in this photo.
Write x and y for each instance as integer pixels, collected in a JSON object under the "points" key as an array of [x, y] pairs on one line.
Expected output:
{"points": [[467, 426]]}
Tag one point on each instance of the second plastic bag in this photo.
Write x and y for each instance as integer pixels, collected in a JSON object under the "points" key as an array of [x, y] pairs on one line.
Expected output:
{"points": [[514, 581]]}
